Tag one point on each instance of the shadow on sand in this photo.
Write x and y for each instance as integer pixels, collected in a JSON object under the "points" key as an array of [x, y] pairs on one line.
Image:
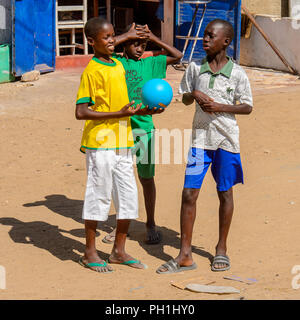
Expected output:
{"points": [[70, 208], [46, 236]]}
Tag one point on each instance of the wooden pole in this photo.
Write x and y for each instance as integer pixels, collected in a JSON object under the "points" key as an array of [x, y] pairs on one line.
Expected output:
{"points": [[168, 24], [96, 8], [270, 42], [108, 8]]}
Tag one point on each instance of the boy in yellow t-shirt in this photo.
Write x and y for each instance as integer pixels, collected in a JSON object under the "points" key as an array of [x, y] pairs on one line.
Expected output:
{"points": [[103, 102]]}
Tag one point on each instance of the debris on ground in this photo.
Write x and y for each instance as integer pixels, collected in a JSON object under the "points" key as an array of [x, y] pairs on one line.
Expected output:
{"points": [[182, 284], [239, 279], [30, 76]]}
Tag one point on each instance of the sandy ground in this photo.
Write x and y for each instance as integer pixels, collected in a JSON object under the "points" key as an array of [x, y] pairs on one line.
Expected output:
{"points": [[42, 175]]}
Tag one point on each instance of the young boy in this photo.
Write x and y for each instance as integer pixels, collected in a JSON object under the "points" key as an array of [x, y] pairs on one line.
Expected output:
{"points": [[102, 101], [216, 85], [138, 72]]}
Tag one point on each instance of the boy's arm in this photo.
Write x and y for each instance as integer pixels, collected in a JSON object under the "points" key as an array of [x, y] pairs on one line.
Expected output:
{"points": [[143, 32], [242, 94], [201, 98], [134, 33], [188, 84], [173, 54], [83, 112], [235, 109]]}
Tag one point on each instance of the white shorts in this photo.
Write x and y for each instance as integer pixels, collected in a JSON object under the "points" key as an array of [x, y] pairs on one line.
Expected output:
{"points": [[110, 176]]}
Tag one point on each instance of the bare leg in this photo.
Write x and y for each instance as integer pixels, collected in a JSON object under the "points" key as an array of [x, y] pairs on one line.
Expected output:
{"points": [[149, 191], [90, 254], [187, 219], [118, 254], [225, 217]]}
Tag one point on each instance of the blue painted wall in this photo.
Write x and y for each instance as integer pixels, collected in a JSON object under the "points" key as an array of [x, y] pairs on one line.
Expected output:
{"points": [[33, 36], [229, 10]]}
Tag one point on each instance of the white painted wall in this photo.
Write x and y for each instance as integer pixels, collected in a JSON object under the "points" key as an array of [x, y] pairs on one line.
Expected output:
{"points": [[294, 9], [5, 21], [284, 32]]}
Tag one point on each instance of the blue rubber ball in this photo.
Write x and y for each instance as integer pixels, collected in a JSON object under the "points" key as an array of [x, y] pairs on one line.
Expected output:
{"points": [[156, 91]]}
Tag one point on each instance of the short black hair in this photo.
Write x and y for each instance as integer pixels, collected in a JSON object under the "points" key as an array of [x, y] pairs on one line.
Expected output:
{"points": [[94, 26], [227, 27]]}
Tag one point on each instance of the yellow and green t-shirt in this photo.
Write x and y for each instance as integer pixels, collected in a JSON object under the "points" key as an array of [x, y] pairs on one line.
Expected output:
{"points": [[103, 87]]}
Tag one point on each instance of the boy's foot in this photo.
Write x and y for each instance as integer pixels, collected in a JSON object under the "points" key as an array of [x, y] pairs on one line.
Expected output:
{"points": [[221, 261], [97, 265], [153, 236], [110, 238], [126, 259], [176, 265]]}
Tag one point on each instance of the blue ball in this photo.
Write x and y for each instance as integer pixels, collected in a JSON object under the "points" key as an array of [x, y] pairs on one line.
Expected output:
{"points": [[156, 91]]}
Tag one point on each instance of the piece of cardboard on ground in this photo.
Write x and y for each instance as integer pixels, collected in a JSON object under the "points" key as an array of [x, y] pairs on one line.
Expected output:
{"points": [[195, 287]]}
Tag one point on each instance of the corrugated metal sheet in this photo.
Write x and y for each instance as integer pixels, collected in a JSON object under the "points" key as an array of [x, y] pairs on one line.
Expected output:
{"points": [[33, 36], [229, 10]]}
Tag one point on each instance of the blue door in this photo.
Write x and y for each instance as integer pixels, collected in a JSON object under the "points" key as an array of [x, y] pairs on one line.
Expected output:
{"points": [[229, 10], [33, 36]]}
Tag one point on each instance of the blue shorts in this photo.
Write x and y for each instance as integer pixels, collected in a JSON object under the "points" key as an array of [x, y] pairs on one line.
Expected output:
{"points": [[226, 168]]}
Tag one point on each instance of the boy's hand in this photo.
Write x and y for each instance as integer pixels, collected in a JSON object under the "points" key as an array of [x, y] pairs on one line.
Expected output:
{"points": [[136, 32], [147, 111], [148, 31], [128, 110], [143, 32], [212, 107], [201, 97], [156, 110]]}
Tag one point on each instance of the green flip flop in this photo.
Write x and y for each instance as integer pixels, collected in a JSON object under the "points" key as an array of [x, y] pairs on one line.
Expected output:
{"points": [[94, 264], [131, 263]]}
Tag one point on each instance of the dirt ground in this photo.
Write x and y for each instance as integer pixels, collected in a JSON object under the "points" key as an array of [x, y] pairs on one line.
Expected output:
{"points": [[42, 175]]}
